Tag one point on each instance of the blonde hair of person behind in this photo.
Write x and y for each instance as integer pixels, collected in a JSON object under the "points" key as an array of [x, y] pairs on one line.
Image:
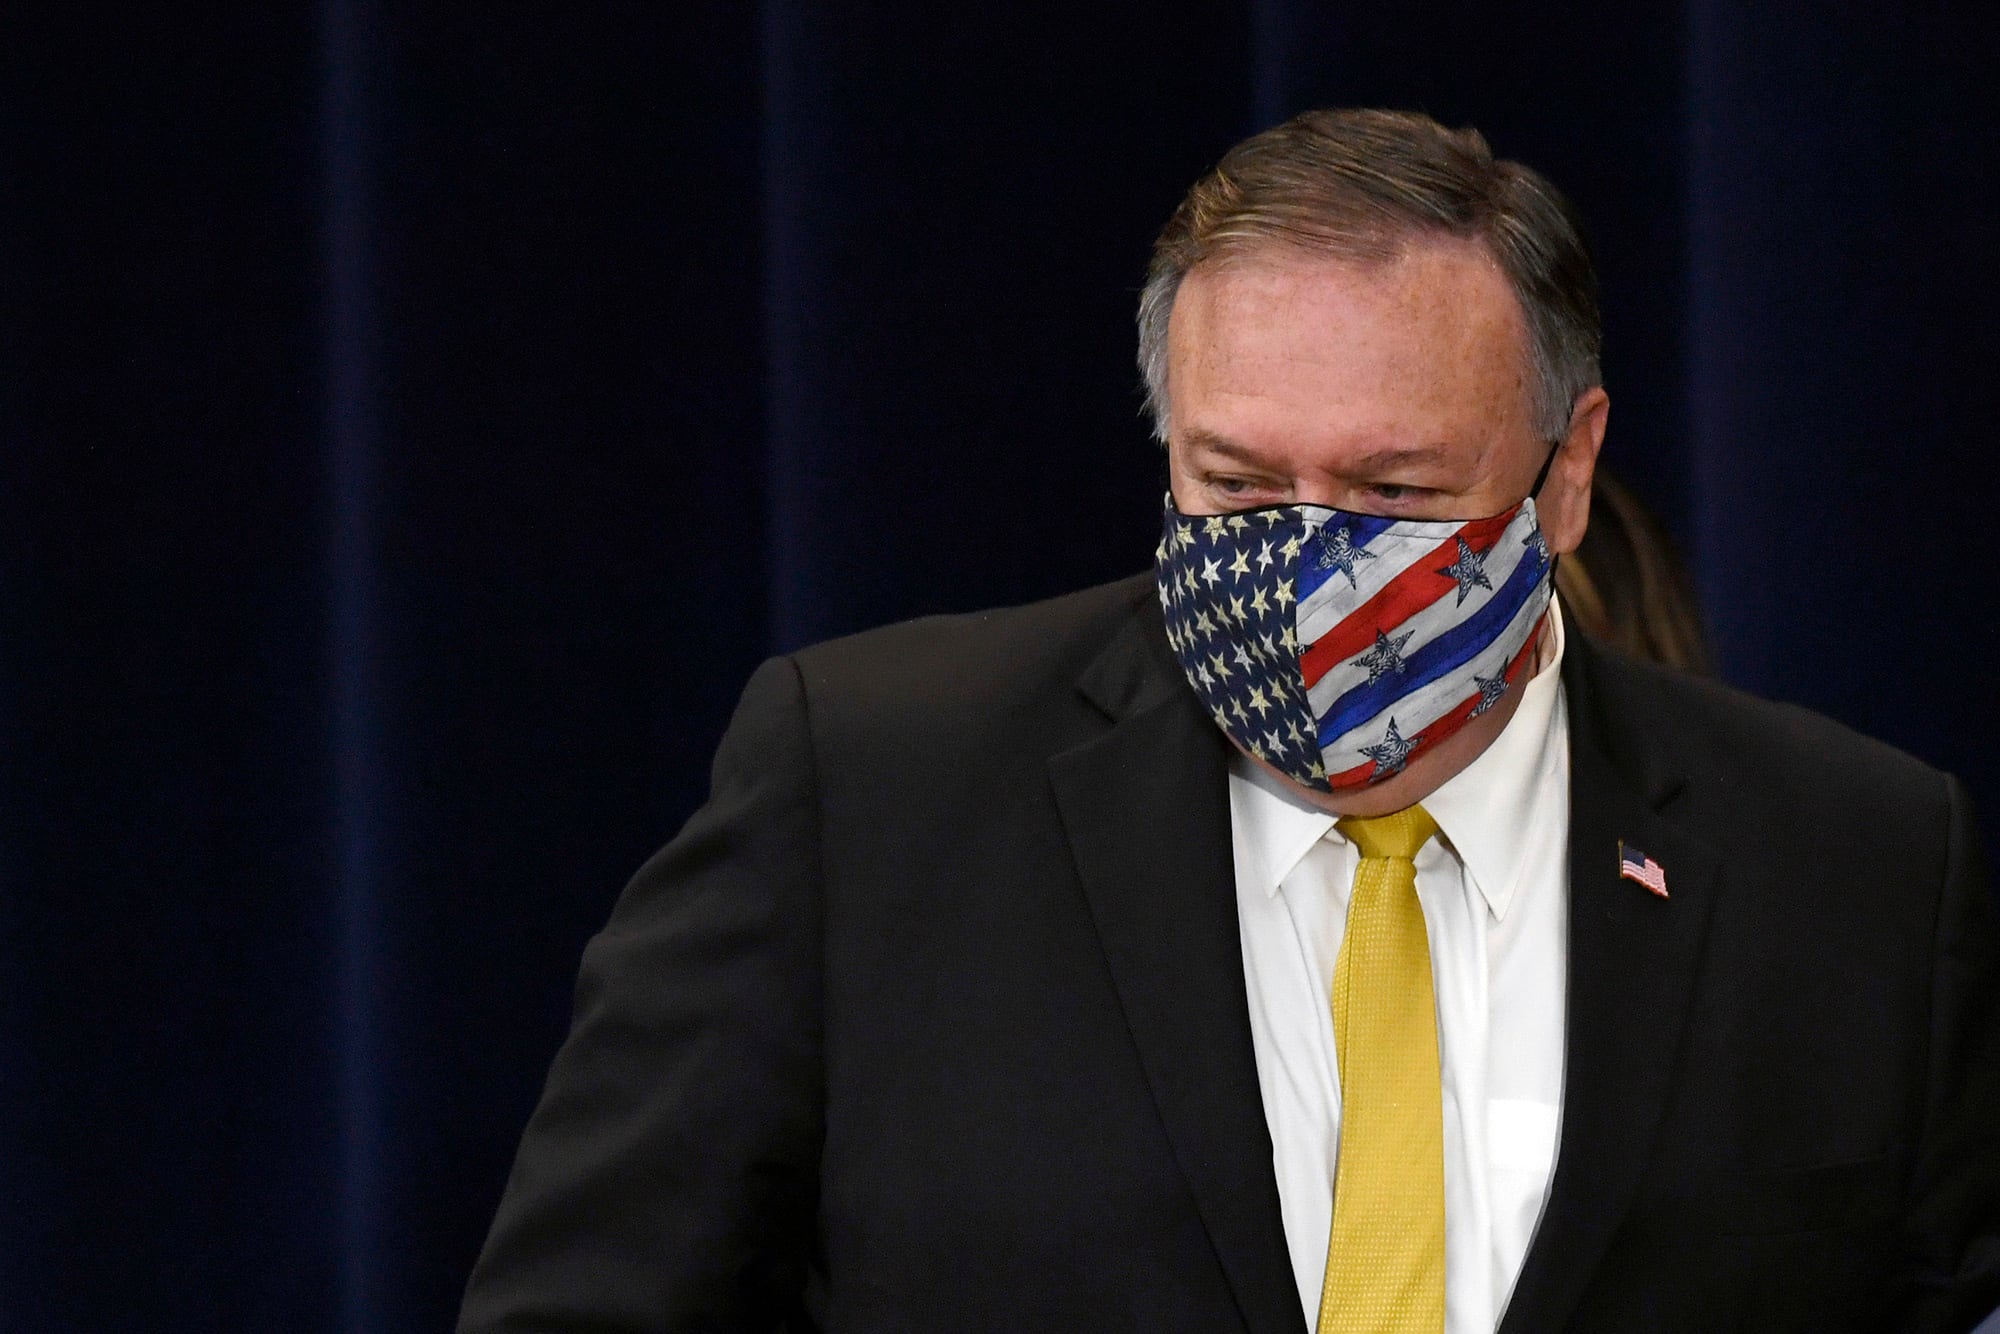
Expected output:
{"points": [[1627, 585]]}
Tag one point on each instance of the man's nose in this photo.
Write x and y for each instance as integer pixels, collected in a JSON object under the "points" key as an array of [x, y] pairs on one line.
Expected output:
{"points": [[1320, 491]]}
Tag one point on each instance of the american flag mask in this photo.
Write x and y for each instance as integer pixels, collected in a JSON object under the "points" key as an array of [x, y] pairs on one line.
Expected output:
{"points": [[1339, 646]]}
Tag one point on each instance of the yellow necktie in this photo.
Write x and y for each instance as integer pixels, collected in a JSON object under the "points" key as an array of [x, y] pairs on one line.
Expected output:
{"points": [[1385, 1258]]}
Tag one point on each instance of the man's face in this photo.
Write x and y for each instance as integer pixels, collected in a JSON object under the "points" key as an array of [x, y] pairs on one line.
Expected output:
{"points": [[1398, 388]]}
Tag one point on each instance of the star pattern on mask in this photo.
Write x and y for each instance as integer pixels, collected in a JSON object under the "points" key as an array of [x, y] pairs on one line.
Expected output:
{"points": [[1385, 656], [1227, 587], [1468, 571], [1335, 550], [1491, 688], [1538, 542], [1390, 754]]}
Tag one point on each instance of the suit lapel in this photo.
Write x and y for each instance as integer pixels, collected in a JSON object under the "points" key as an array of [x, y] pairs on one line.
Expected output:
{"points": [[1632, 961], [1146, 809]]}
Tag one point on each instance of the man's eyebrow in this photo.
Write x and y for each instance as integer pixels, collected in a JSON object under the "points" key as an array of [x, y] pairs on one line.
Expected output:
{"points": [[1371, 461], [1200, 438], [1399, 456]]}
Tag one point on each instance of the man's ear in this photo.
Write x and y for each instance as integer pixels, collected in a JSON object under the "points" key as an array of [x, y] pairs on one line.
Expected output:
{"points": [[1563, 508]]}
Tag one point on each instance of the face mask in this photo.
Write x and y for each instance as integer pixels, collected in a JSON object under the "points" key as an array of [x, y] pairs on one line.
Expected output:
{"points": [[1339, 646]]}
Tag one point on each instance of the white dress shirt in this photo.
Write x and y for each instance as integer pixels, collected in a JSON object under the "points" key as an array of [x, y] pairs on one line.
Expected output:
{"points": [[1494, 889]]}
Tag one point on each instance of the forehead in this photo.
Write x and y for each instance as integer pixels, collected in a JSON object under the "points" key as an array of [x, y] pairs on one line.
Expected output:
{"points": [[1277, 344]]}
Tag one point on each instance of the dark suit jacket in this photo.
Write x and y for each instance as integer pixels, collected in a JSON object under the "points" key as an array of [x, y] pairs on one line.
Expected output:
{"points": [[933, 1019]]}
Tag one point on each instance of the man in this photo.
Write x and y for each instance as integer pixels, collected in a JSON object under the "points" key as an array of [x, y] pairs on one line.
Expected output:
{"points": [[1309, 933]]}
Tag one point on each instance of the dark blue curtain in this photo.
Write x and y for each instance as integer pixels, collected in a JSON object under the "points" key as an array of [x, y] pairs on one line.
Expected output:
{"points": [[416, 420]]}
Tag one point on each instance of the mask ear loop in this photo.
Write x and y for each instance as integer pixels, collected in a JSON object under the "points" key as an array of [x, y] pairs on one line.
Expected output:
{"points": [[1535, 494], [1542, 477]]}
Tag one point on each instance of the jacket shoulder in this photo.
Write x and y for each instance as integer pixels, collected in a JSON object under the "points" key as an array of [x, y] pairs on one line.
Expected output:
{"points": [[1767, 754], [980, 658], [955, 714]]}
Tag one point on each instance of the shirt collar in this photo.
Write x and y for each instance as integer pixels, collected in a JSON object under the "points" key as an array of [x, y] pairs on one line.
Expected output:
{"points": [[1485, 810], [1272, 826]]}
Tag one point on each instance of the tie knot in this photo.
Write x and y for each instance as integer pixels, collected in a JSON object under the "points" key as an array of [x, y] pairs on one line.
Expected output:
{"points": [[1398, 834]]}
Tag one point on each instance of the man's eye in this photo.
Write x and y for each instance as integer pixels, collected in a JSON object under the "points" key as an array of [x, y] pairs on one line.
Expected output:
{"points": [[1236, 486]]}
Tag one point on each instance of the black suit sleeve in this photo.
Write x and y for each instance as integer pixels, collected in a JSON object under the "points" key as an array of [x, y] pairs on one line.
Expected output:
{"points": [[667, 1178], [1954, 1211]]}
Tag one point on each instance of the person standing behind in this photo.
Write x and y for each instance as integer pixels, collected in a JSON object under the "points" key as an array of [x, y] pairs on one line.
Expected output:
{"points": [[1627, 585]]}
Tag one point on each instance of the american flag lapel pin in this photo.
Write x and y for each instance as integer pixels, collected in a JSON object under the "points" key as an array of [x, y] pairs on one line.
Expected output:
{"points": [[1636, 865]]}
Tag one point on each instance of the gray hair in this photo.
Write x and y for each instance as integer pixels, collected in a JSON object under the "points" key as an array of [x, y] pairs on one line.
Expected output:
{"points": [[1361, 185]]}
